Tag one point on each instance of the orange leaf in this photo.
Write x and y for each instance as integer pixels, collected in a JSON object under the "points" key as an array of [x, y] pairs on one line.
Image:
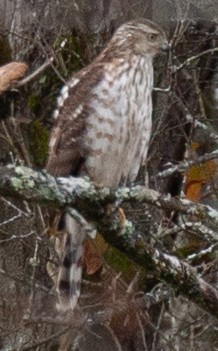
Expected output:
{"points": [[193, 190], [93, 252]]}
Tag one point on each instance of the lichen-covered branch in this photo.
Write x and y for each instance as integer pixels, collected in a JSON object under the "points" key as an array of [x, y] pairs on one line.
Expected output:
{"points": [[88, 199], [183, 166], [91, 201]]}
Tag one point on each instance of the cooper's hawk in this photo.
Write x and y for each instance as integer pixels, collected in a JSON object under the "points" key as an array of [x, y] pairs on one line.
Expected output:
{"points": [[102, 128]]}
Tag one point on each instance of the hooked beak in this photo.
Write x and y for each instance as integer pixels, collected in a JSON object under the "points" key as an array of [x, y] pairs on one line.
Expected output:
{"points": [[165, 47]]}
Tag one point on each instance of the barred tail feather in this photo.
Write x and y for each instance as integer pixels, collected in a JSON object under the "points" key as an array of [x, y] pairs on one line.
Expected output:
{"points": [[70, 272]]}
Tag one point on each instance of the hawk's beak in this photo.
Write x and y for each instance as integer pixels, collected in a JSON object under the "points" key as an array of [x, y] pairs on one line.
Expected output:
{"points": [[165, 46]]}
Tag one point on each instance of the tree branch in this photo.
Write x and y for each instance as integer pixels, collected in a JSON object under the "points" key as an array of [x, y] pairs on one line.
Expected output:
{"points": [[183, 166], [88, 199], [36, 72], [193, 58], [91, 201]]}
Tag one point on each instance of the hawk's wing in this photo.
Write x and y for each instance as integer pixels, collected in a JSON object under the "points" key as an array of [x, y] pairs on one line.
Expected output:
{"points": [[66, 153]]}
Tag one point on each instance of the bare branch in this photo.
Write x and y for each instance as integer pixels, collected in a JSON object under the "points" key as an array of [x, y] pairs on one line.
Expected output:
{"points": [[36, 73], [18, 237], [103, 312], [36, 345], [193, 58]]}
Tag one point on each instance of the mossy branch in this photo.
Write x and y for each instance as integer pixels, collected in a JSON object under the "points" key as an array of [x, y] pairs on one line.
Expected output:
{"points": [[90, 201]]}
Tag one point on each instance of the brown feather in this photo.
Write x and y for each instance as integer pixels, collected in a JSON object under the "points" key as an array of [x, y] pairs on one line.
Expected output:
{"points": [[66, 153]]}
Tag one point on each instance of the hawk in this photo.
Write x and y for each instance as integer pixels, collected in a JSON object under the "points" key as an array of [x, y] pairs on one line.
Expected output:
{"points": [[102, 128]]}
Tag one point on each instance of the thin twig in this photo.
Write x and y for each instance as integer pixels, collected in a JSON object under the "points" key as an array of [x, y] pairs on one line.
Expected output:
{"points": [[23, 282], [193, 58], [142, 329], [35, 73], [183, 166], [34, 261], [202, 253], [158, 328], [46, 340]]}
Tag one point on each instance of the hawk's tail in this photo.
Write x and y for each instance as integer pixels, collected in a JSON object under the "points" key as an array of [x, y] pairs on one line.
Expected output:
{"points": [[70, 272]]}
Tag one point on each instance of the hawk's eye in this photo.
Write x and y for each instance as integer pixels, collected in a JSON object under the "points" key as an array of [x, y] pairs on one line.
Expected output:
{"points": [[152, 37]]}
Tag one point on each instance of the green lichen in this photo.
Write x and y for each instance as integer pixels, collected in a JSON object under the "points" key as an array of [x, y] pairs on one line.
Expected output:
{"points": [[17, 183], [38, 142], [5, 51], [22, 183], [121, 263], [33, 102]]}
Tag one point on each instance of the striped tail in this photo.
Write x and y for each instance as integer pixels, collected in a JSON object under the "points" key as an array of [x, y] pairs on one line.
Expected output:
{"points": [[70, 271]]}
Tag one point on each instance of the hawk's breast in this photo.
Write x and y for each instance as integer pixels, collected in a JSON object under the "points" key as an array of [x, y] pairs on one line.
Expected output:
{"points": [[119, 123]]}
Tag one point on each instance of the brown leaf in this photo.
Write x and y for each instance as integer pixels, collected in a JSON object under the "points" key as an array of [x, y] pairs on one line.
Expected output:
{"points": [[10, 73], [93, 254], [198, 176]]}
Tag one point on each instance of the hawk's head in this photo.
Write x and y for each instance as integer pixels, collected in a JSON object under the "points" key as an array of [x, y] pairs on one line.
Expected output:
{"points": [[141, 37]]}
